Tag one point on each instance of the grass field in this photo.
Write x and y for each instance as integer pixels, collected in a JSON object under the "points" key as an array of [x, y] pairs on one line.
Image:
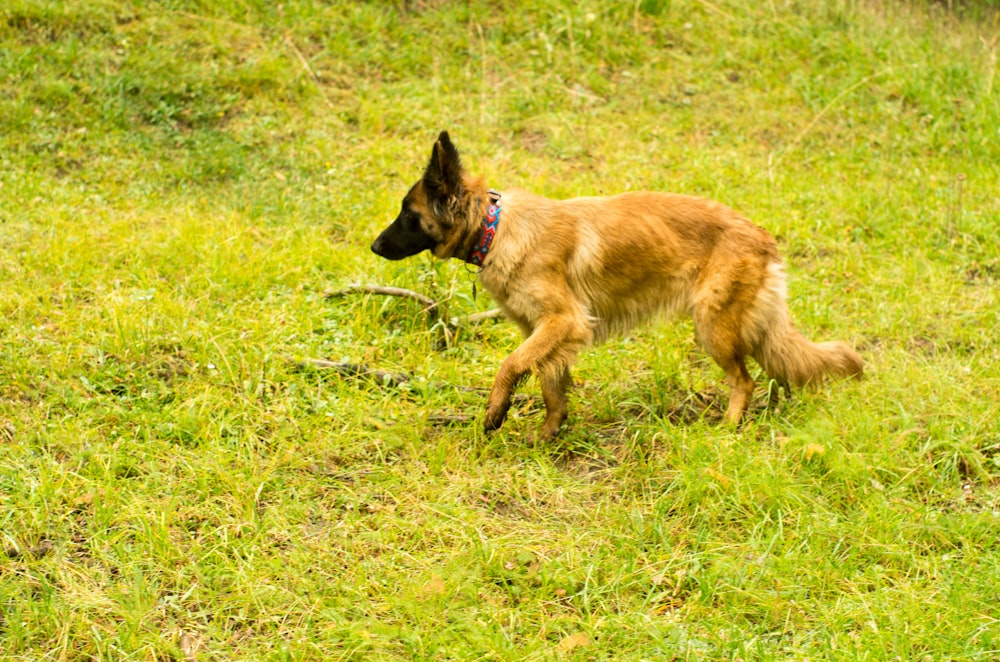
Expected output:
{"points": [[182, 181]]}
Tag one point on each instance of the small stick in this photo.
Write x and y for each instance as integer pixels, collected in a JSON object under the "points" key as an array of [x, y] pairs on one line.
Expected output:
{"points": [[357, 370], [449, 419], [396, 378], [430, 305], [476, 318]]}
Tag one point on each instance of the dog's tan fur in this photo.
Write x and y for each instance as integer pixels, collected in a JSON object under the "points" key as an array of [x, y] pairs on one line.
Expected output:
{"points": [[573, 272]]}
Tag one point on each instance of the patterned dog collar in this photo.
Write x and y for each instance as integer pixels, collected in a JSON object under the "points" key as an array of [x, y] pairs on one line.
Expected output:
{"points": [[488, 231]]}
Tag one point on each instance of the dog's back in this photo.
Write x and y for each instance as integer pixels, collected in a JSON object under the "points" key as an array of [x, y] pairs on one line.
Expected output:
{"points": [[625, 257]]}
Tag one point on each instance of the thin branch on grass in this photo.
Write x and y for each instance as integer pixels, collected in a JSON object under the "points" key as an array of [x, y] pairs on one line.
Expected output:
{"points": [[395, 379], [449, 419], [431, 306], [357, 370], [476, 318], [388, 378]]}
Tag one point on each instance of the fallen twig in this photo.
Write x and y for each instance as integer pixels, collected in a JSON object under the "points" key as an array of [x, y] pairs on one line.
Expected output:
{"points": [[430, 305], [396, 378], [476, 318], [449, 419], [357, 370]]}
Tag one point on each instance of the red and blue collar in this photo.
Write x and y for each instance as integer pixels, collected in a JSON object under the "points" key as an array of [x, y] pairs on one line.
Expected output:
{"points": [[489, 229]]}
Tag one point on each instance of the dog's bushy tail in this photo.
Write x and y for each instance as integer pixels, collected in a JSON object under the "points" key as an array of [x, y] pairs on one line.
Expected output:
{"points": [[791, 359]]}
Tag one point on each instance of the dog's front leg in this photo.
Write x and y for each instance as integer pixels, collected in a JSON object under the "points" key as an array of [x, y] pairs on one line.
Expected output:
{"points": [[549, 351], [511, 372]]}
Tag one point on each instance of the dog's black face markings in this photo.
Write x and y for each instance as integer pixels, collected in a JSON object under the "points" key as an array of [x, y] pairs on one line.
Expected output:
{"points": [[404, 237], [442, 182]]}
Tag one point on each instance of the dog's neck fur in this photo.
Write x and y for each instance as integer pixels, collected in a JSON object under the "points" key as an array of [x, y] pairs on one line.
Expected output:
{"points": [[470, 211]]}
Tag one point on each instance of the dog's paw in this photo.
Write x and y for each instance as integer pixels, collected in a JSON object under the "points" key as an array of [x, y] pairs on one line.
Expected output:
{"points": [[495, 416], [544, 434], [537, 439]]}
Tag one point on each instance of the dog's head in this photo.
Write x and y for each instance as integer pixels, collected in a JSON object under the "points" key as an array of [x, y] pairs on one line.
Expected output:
{"points": [[430, 217]]}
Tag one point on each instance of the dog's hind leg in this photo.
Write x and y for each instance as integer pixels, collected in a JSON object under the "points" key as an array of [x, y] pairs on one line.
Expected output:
{"points": [[718, 331], [548, 351], [740, 385], [726, 354]]}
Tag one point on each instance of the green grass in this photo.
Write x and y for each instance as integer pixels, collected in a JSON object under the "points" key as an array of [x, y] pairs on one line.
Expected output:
{"points": [[180, 183]]}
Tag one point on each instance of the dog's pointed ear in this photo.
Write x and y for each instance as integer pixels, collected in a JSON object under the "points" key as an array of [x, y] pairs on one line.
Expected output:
{"points": [[443, 177]]}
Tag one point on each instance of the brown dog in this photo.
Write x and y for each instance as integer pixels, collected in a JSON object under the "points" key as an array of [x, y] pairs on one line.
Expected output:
{"points": [[572, 272]]}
